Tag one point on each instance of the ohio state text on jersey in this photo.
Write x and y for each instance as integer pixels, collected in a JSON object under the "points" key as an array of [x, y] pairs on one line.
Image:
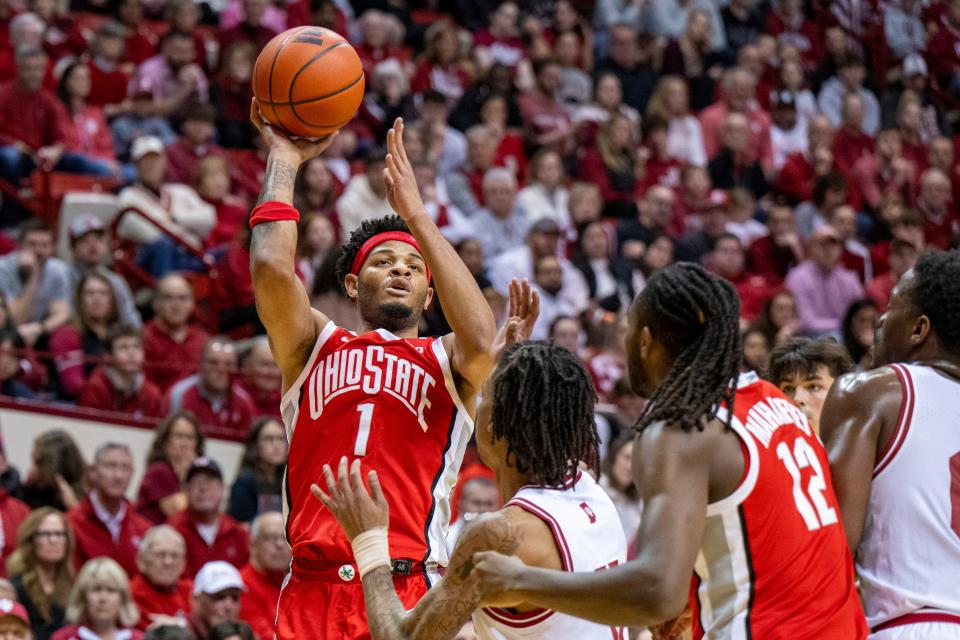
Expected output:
{"points": [[392, 401]]}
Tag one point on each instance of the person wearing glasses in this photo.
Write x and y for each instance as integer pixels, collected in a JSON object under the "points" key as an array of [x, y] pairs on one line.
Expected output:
{"points": [[41, 569], [173, 340], [264, 574], [216, 597], [161, 591]]}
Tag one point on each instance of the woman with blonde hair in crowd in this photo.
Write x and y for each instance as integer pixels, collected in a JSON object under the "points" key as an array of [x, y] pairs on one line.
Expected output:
{"points": [[100, 605], [41, 569], [671, 101]]}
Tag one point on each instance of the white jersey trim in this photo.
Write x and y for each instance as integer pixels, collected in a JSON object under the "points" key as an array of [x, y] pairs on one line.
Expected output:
{"points": [[903, 420], [294, 389], [743, 491]]}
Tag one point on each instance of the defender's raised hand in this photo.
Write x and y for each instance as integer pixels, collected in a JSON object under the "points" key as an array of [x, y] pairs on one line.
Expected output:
{"points": [[522, 315], [402, 191], [355, 509]]}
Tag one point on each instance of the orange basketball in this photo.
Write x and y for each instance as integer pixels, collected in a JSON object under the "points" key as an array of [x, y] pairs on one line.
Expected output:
{"points": [[308, 82]]}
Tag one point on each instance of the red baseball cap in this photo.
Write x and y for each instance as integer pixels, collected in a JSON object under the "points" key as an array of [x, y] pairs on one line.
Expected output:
{"points": [[9, 608]]}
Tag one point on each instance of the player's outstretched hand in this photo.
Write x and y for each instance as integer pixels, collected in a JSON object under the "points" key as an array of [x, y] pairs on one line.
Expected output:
{"points": [[355, 509], [278, 141], [497, 578], [522, 315], [402, 191]]}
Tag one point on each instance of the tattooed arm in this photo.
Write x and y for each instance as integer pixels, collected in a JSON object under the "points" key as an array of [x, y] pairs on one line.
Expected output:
{"points": [[282, 301]]}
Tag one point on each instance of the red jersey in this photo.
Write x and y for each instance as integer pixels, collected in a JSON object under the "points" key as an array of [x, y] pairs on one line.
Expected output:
{"points": [[774, 561], [393, 401], [152, 601]]}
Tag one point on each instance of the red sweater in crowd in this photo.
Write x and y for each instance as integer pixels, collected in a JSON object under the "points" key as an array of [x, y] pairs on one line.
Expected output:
{"points": [[87, 133], [73, 633], [107, 87], [100, 393], [796, 178], [229, 416], [849, 147], [152, 601], [232, 542], [168, 360], [183, 159], [12, 514], [94, 539], [258, 604], [30, 117]]}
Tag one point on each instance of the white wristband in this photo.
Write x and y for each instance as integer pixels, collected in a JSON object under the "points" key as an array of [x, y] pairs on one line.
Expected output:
{"points": [[371, 550]]}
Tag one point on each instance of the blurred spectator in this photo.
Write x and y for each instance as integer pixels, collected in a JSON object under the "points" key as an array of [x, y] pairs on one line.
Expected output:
{"points": [[387, 98], [800, 170], [444, 66], [197, 131], [792, 79], [609, 277], [184, 15], [903, 28], [671, 102], [712, 218], [607, 102], [917, 89], [91, 252], [727, 260], [216, 598], [328, 294], [478, 496], [175, 208], [177, 443], [654, 213], [738, 96], [851, 142], [140, 42], [773, 255], [756, 350], [232, 631], [804, 369], [501, 42], [20, 30], [465, 186], [11, 345], [495, 114], [548, 282], [100, 606], [253, 29], [613, 166], [585, 203], [211, 394], [787, 22], [61, 37], [885, 173], [231, 94], [859, 325], [12, 513], [617, 480], [57, 476], [264, 574], [84, 126], [212, 179], [442, 143], [670, 18], [172, 77], [497, 84], [856, 256], [788, 134], [104, 523], [742, 23], [10, 483], [903, 256], [779, 319], [567, 332], [576, 86], [41, 569], [731, 166], [829, 192], [210, 533], [160, 590], [14, 620], [139, 122], [172, 341], [545, 195], [914, 136], [500, 226], [365, 195], [258, 487], [79, 346], [693, 56], [626, 61], [380, 36], [940, 219], [546, 120], [260, 377], [742, 222], [943, 51], [608, 364], [35, 284], [316, 189], [822, 287]]}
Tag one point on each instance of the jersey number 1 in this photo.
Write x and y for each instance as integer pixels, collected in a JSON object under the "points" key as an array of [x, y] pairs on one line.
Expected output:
{"points": [[363, 431], [819, 513]]}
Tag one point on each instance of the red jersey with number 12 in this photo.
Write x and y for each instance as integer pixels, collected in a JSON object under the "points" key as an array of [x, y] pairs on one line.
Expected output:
{"points": [[393, 401], [774, 562]]}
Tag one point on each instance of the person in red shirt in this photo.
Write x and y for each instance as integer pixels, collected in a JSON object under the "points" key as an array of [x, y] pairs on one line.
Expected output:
{"points": [[120, 386], [902, 256], [140, 43], [260, 377], [252, 29], [738, 96], [195, 144], [160, 590], [727, 260], [773, 255], [377, 30], [883, 174], [940, 220], [547, 122], [789, 26], [219, 403], [105, 523], [264, 574], [501, 42], [943, 49], [802, 168], [212, 180], [84, 126], [12, 513], [850, 143], [109, 77], [177, 442], [210, 534], [172, 341]]}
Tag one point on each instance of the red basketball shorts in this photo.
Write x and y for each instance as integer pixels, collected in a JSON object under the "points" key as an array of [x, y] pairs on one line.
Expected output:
{"points": [[325, 602]]}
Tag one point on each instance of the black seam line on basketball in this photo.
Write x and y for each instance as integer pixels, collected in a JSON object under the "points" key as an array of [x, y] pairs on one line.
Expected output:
{"points": [[276, 116], [296, 76], [297, 103], [337, 125]]}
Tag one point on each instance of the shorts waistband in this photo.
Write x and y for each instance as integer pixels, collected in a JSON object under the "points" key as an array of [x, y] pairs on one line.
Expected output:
{"points": [[334, 571], [925, 615]]}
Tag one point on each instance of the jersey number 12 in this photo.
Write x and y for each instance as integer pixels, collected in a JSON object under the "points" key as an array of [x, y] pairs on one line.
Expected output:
{"points": [[811, 503]]}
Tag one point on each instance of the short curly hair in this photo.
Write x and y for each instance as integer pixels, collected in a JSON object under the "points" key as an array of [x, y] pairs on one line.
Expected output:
{"points": [[364, 232], [935, 292]]}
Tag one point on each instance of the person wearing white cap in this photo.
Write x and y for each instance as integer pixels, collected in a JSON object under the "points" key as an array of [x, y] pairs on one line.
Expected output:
{"points": [[216, 597], [177, 208]]}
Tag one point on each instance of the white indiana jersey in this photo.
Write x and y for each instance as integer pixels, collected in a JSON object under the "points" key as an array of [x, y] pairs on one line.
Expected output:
{"points": [[909, 556], [589, 537]]}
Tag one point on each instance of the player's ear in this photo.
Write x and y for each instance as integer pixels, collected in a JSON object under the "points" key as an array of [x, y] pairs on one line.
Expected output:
{"points": [[428, 299], [646, 342], [921, 329], [350, 285]]}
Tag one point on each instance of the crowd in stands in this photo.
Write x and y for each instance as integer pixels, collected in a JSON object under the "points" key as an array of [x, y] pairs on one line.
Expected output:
{"points": [[804, 150]]}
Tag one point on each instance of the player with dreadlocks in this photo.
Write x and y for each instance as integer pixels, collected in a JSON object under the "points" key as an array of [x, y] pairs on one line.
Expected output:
{"points": [[735, 489], [535, 428]]}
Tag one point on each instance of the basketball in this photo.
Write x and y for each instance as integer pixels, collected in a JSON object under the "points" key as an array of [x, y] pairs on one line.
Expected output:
{"points": [[308, 82]]}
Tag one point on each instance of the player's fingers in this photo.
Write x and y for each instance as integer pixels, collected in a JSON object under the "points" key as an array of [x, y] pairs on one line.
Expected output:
{"points": [[375, 487], [320, 495], [523, 288], [534, 311], [388, 179], [393, 166], [331, 481], [391, 140], [356, 482], [512, 293], [398, 125], [343, 476]]}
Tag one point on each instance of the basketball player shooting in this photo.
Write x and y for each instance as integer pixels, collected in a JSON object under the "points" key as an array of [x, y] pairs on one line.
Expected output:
{"points": [[401, 402], [535, 424], [736, 494], [894, 444]]}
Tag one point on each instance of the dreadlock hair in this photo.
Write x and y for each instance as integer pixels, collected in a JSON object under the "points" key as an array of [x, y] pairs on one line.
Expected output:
{"points": [[696, 317], [543, 402], [358, 236], [935, 292]]}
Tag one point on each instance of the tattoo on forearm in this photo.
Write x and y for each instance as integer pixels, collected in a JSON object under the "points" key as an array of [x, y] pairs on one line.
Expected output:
{"points": [[279, 175]]}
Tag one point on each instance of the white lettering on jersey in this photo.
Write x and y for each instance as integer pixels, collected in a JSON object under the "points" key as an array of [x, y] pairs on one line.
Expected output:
{"points": [[768, 415], [372, 371]]}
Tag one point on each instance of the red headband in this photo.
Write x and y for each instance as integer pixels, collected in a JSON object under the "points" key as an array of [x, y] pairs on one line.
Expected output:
{"points": [[374, 241]]}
